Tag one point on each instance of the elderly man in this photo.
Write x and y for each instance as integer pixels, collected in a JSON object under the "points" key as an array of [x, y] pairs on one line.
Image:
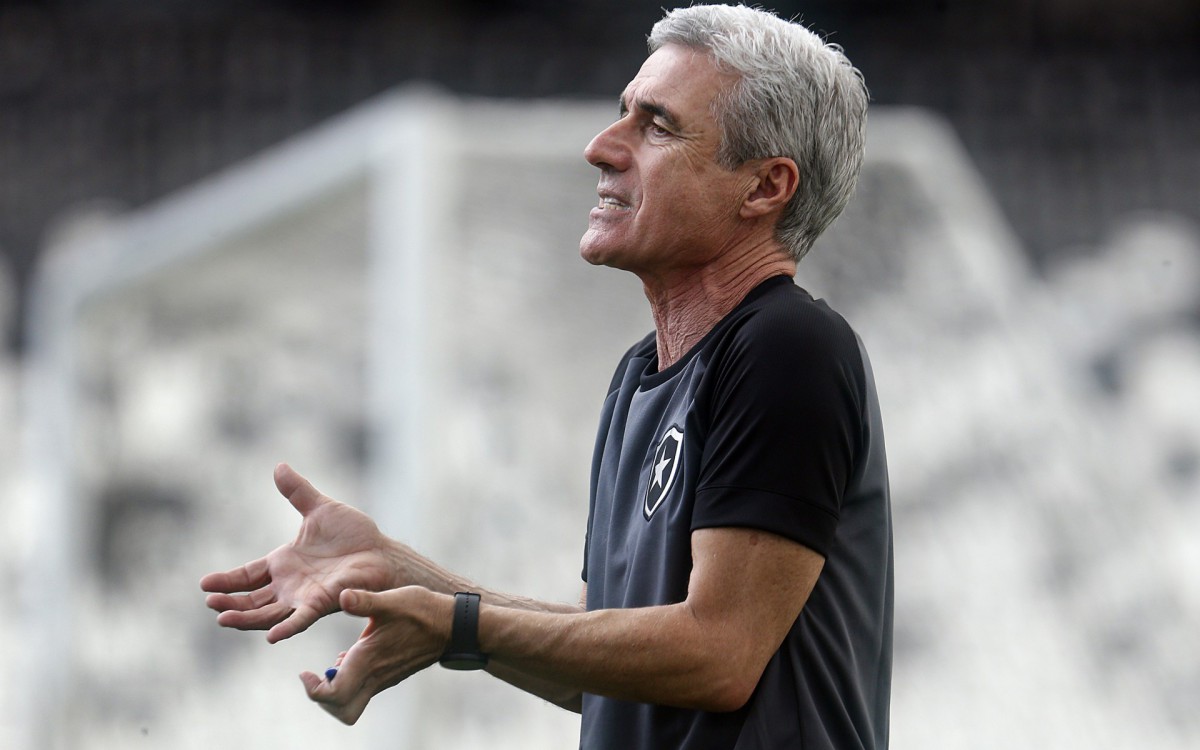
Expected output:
{"points": [[738, 567]]}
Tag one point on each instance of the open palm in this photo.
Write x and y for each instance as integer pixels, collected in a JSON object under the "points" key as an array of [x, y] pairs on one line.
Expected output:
{"points": [[337, 548]]}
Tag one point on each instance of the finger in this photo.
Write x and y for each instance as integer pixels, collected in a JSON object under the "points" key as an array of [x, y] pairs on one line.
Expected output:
{"points": [[297, 622], [256, 619], [240, 602], [359, 603], [346, 705], [299, 491], [248, 577], [320, 690], [312, 684]]}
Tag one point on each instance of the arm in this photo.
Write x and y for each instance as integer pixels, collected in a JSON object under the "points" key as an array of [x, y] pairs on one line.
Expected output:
{"points": [[555, 691], [708, 652]]}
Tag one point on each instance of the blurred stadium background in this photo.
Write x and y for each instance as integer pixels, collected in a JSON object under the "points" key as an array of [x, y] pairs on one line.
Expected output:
{"points": [[344, 235]]}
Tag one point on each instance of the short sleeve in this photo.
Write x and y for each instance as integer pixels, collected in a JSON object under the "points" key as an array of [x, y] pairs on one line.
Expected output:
{"points": [[784, 405]]}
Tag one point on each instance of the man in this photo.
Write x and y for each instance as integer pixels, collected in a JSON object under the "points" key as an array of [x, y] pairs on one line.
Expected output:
{"points": [[738, 574]]}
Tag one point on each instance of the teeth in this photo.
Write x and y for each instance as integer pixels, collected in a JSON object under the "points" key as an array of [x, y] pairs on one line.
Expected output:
{"points": [[607, 202]]}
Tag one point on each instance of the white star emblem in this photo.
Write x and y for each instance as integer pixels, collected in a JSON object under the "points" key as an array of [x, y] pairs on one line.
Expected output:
{"points": [[664, 469], [659, 468]]}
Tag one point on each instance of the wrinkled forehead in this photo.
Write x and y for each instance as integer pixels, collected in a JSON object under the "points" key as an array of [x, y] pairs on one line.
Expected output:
{"points": [[678, 80]]}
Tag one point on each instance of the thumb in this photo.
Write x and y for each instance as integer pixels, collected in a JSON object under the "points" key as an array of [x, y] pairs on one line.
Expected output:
{"points": [[299, 491], [359, 603]]}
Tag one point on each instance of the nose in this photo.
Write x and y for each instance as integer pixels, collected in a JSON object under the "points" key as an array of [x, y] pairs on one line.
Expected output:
{"points": [[608, 150]]}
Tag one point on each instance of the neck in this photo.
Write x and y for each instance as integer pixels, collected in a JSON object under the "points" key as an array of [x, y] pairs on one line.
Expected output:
{"points": [[686, 307]]}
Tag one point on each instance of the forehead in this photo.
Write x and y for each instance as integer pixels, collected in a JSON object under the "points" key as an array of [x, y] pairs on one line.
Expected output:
{"points": [[683, 80]]}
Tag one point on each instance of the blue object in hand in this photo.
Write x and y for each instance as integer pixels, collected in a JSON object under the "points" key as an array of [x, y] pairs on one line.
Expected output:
{"points": [[331, 673]]}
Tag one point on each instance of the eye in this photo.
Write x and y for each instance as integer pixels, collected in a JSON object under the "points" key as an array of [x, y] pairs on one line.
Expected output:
{"points": [[658, 129]]}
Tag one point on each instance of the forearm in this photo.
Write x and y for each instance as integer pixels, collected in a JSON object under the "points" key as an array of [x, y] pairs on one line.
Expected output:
{"points": [[663, 655], [414, 569], [708, 652], [560, 694], [410, 568]]}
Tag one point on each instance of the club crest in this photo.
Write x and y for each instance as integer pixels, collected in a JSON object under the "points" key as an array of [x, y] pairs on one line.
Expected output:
{"points": [[663, 470]]}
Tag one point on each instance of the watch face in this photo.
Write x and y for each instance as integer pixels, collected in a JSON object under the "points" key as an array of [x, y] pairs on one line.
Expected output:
{"points": [[463, 662]]}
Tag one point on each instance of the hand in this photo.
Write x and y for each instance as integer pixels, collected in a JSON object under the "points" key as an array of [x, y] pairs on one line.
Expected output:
{"points": [[337, 548], [408, 630]]}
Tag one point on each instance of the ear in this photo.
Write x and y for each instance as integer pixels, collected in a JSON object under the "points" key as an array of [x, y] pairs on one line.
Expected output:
{"points": [[775, 182]]}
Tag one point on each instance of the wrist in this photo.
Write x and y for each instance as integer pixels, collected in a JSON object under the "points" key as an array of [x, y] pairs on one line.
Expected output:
{"points": [[397, 556], [463, 651]]}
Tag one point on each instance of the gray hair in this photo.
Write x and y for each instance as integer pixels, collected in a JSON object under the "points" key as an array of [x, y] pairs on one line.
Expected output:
{"points": [[795, 96]]}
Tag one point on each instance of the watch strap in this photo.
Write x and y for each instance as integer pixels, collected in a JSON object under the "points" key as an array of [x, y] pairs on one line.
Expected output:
{"points": [[463, 652]]}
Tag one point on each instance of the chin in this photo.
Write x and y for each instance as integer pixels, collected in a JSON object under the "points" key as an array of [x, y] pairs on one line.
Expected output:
{"points": [[594, 251]]}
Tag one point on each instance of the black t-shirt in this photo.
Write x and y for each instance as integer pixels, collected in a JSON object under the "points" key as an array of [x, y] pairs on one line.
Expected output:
{"points": [[770, 422]]}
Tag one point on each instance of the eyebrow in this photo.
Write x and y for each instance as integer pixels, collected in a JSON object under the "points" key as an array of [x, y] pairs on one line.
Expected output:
{"points": [[652, 108]]}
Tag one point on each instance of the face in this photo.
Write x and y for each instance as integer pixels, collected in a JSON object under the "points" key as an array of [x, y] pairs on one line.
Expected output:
{"points": [[665, 204]]}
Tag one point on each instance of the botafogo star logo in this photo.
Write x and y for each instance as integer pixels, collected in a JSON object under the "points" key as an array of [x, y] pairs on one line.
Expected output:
{"points": [[663, 469]]}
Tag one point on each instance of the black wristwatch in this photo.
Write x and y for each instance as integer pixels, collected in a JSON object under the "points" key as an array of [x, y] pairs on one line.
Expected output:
{"points": [[463, 652]]}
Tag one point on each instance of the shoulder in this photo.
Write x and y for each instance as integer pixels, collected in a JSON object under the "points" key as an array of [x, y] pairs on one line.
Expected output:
{"points": [[786, 329]]}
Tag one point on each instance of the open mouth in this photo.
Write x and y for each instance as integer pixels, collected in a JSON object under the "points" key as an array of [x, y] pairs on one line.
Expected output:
{"points": [[611, 203]]}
